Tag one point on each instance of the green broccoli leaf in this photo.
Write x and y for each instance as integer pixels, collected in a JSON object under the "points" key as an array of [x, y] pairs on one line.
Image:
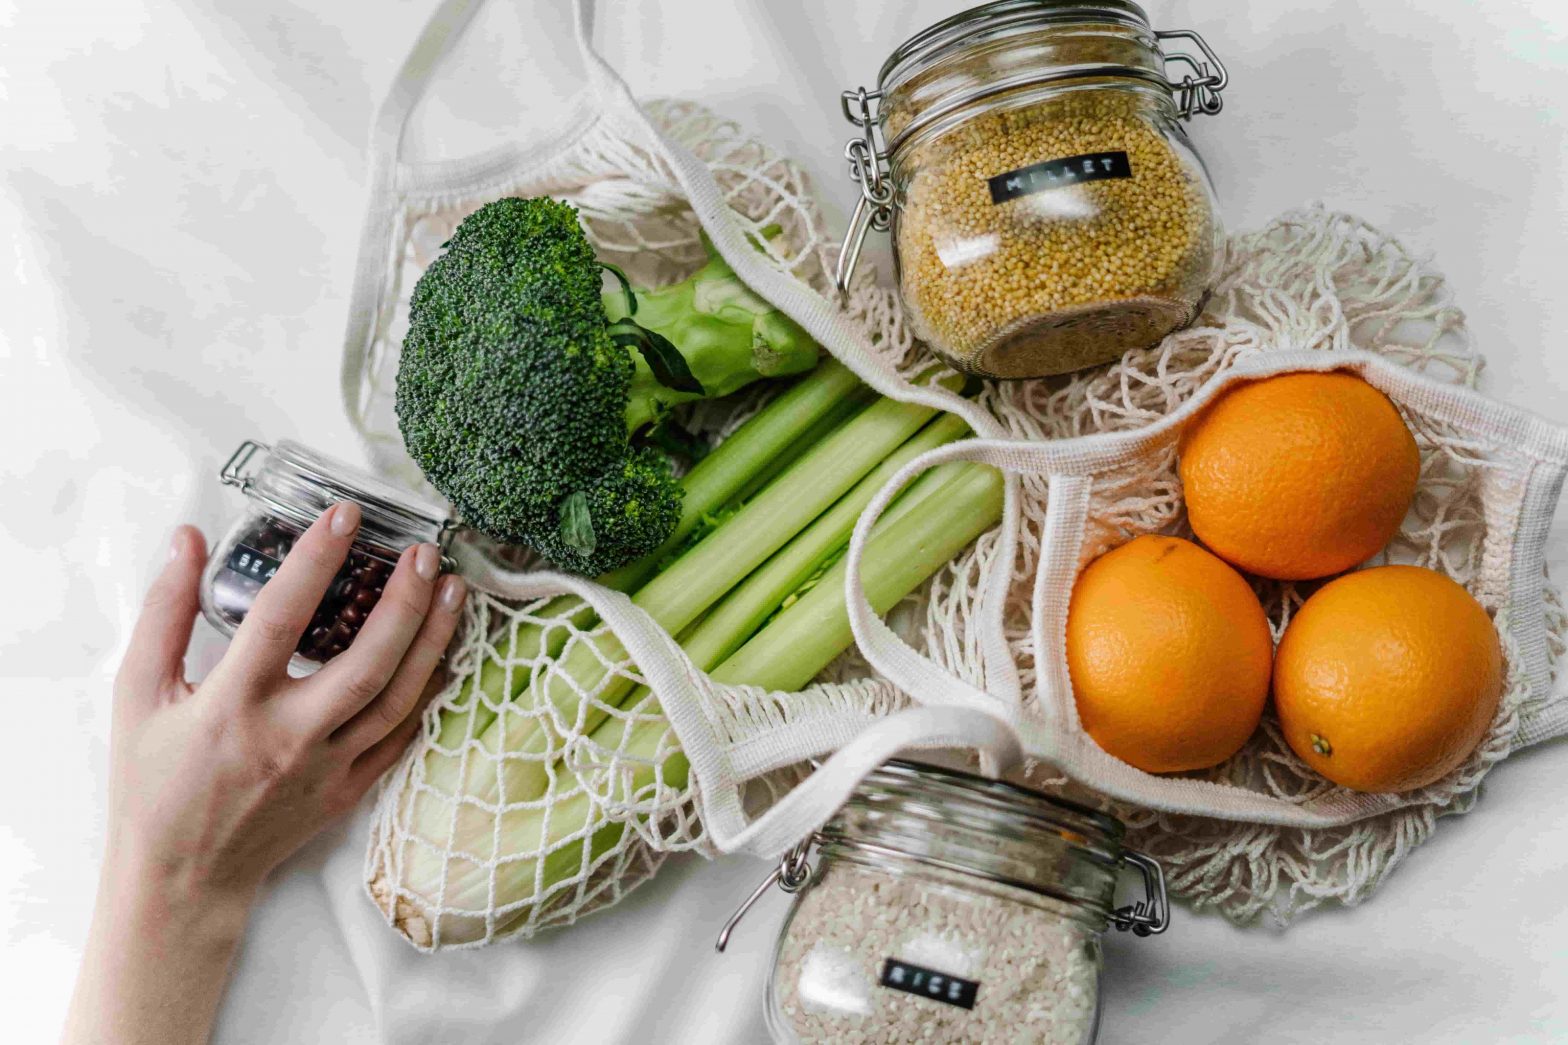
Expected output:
{"points": [[664, 359], [577, 524]]}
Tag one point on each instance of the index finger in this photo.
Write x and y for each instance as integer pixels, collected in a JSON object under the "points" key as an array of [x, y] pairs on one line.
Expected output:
{"points": [[271, 631], [155, 659]]}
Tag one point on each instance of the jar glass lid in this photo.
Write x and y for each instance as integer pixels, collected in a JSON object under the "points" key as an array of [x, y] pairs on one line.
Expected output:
{"points": [[1023, 807], [298, 484], [995, 20], [956, 823]]}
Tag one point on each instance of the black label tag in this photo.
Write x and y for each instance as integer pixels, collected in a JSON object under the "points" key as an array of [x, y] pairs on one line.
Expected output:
{"points": [[1053, 174], [248, 562], [928, 983]]}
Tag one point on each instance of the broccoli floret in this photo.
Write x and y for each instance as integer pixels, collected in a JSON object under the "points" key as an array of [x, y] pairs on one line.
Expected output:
{"points": [[523, 381]]}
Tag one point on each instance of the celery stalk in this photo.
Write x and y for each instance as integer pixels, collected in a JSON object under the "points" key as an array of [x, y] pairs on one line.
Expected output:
{"points": [[776, 434], [805, 638], [746, 608]]}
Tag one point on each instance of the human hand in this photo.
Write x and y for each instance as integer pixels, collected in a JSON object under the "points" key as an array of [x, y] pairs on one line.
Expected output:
{"points": [[213, 785]]}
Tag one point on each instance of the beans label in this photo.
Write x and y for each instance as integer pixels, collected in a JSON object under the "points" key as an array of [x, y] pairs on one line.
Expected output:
{"points": [[1054, 174], [928, 983], [248, 562]]}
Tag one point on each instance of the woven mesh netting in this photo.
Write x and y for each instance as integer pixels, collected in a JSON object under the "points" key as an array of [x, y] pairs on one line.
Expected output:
{"points": [[547, 782]]}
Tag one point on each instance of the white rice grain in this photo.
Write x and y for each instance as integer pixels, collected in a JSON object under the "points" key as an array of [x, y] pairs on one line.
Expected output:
{"points": [[1038, 970]]}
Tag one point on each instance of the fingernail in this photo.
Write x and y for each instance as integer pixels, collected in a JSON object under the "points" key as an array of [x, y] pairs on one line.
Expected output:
{"points": [[427, 561], [452, 592], [176, 544], [345, 518]]}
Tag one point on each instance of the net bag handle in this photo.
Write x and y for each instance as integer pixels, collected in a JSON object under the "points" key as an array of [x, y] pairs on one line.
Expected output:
{"points": [[381, 228]]}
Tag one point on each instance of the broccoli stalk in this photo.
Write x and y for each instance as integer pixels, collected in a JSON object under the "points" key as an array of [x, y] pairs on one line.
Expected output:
{"points": [[518, 393], [726, 335]]}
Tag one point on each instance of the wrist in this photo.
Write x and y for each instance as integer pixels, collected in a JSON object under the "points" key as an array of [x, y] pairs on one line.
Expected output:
{"points": [[171, 899], [157, 956]]}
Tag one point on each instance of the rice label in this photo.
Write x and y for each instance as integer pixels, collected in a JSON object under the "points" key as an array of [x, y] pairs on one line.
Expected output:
{"points": [[248, 562], [928, 983], [1054, 174]]}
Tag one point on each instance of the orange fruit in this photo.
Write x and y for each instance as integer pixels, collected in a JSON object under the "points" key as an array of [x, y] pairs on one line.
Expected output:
{"points": [[1388, 678], [1169, 654], [1300, 475]]}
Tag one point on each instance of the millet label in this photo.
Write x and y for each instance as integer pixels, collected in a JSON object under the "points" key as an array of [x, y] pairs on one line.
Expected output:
{"points": [[248, 562], [928, 983], [1053, 174]]}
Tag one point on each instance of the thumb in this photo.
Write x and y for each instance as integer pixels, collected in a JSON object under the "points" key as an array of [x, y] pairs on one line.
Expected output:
{"points": [[155, 659]]}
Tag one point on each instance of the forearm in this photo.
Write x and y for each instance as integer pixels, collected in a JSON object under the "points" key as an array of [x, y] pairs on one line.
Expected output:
{"points": [[157, 958]]}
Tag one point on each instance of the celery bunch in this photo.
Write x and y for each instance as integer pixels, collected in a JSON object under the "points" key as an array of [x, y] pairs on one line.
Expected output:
{"points": [[751, 583]]}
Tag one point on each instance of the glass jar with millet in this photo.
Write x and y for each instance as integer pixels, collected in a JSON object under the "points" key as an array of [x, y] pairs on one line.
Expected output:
{"points": [[1047, 208]]}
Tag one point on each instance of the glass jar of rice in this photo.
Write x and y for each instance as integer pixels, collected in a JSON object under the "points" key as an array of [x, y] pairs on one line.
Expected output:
{"points": [[947, 907], [1048, 210]]}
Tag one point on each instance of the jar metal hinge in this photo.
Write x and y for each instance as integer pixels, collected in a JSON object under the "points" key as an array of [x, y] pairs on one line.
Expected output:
{"points": [[1198, 93], [868, 166], [793, 872], [233, 473], [1151, 915]]}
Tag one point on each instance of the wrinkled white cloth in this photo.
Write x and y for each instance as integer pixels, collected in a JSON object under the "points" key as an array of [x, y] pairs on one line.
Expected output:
{"points": [[180, 193]]}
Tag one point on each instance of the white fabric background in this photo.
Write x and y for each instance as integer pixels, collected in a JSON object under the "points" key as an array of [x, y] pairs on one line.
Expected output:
{"points": [[180, 193]]}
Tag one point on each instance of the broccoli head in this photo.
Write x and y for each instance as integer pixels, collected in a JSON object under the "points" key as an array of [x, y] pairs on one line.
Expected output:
{"points": [[524, 383]]}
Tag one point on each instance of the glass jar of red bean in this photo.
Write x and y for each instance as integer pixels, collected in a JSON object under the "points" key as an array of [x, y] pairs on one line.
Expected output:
{"points": [[287, 486]]}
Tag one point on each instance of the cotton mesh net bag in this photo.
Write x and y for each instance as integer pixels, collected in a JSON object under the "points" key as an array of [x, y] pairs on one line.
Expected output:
{"points": [[576, 744]]}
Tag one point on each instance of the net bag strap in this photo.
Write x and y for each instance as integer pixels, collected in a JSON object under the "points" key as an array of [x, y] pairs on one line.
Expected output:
{"points": [[812, 802]]}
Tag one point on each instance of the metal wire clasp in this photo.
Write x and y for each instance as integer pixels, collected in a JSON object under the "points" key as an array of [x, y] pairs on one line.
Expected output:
{"points": [[793, 871], [1200, 93], [867, 165], [233, 473], [1151, 915]]}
